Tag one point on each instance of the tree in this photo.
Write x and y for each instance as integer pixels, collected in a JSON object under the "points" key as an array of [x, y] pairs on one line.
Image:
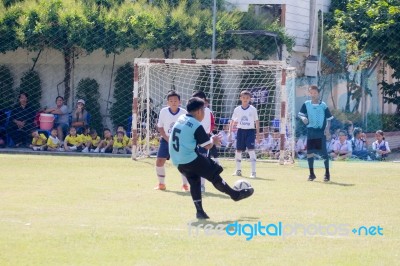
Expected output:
{"points": [[7, 96], [9, 24], [121, 110], [376, 24]]}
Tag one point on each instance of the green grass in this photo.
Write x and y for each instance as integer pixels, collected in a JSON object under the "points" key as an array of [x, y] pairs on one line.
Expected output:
{"points": [[103, 211]]}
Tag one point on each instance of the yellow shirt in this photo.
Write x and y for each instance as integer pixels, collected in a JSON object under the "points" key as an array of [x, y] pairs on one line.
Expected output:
{"points": [[53, 142], [95, 141], [126, 139], [73, 140], [85, 138], [40, 141], [119, 144]]}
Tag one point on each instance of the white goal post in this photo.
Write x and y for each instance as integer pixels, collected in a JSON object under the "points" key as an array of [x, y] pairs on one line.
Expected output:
{"points": [[271, 83]]}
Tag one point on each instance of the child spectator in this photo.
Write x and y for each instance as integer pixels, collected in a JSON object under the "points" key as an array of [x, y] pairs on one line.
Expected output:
{"points": [[126, 138], [72, 141], [330, 142], [380, 146], [53, 142], [301, 147], [119, 143], [106, 144], [349, 128], [359, 144], [266, 139], [38, 141], [94, 141], [224, 135], [274, 145], [86, 138], [342, 147], [80, 116], [62, 117]]}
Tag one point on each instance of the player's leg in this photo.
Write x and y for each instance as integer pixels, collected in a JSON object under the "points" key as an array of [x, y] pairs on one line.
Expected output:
{"points": [[250, 145], [195, 189], [211, 171], [311, 141], [325, 157], [240, 146], [162, 156], [203, 152]]}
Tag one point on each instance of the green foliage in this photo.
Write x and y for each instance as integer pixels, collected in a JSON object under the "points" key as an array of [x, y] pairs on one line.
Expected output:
{"points": [[88, 89], [7, 96], [9, 40], [121, 110], [32, 85]]}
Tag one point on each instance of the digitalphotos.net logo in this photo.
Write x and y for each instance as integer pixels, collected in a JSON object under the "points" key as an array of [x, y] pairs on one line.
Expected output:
{"points": [[281, 230]]}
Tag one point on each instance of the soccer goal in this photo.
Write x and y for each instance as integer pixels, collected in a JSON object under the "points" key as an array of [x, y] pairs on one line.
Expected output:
{"points": [[272, 86]]}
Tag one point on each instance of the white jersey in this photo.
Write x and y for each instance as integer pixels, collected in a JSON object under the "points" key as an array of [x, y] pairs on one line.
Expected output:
{"points": [[206, 122], [167, 119], [245, 118]]}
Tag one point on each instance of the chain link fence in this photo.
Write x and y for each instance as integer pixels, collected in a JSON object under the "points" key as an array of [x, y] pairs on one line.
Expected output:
{"points": [[85, 50]]}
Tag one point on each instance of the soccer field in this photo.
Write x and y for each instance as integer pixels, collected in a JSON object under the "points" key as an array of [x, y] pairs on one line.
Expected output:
{"points": [[62, 210]]}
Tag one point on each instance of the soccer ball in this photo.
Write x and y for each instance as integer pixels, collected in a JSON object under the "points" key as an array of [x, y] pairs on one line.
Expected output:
{"points": [[241, 184]]}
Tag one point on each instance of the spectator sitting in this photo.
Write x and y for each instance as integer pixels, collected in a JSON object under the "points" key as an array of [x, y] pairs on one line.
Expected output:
{"points": [[330, 143], [62, 117], [359, 144], [380, 146], [22, 116], [93, 142], [126, 138], [342, 147], [53, 142], [274, 145], [348, 128], [301, 147], [79, 116], [72, 141], [120, 145], [266, 140], [38, 141], [224, 135], [86, 138], [106, 144]]}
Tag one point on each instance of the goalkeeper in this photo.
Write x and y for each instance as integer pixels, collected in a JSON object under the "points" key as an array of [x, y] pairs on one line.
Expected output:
{"points": [[315, 114]]}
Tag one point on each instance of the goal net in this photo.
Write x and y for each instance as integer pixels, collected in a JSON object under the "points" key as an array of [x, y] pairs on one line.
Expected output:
{"points": [[271, 85]]}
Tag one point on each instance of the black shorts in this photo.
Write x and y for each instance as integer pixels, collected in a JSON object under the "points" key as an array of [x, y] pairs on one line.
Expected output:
{"points": [[201, 167], [316, 141]]}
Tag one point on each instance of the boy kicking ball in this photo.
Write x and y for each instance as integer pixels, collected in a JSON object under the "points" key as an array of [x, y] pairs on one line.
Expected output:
{"points": [[185, 135]]}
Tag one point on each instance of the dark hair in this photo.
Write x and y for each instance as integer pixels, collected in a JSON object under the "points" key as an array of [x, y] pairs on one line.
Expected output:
{"points": [[200, 94], [59, 97], [380, 132], [106, 129], [23, 93], [344, 133], [54, 128], [313, 87], [173, 94], [194, 104], [356, 131], [92, 131], [245, 92]]}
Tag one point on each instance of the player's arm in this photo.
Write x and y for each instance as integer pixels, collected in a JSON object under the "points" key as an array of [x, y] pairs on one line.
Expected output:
{"points": [[329, 118], [204, 140], [258, 136], [163, 134], [303, 114]]}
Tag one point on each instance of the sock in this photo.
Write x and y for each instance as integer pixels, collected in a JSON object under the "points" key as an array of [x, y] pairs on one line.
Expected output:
{"points": [[238, 158], [184, 180], [253, 161], [216, 160], [203, 181], [222, 186], [326, 163], [160, 170], [311, 165], [198, 205], [195, 192]]}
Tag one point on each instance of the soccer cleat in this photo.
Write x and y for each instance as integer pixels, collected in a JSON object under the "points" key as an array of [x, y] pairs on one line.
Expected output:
{"points": [[202, 215], [244, 193], [311, 177], [327, 178], [160, 187], [238, 173], [203, 189], [185, 187], [253, 175]]}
